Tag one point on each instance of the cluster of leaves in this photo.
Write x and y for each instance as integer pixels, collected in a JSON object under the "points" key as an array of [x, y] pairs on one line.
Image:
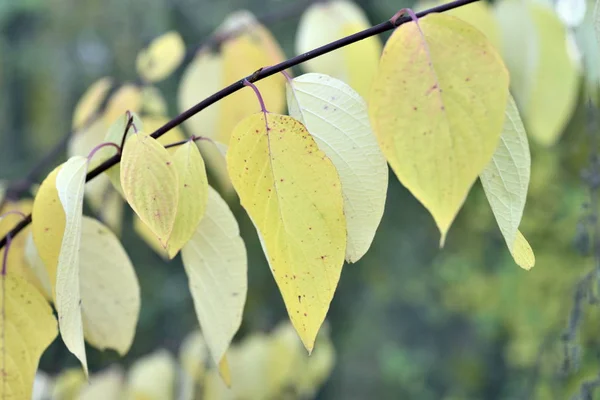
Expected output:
{"points": [[434, 104], [267, 366]]}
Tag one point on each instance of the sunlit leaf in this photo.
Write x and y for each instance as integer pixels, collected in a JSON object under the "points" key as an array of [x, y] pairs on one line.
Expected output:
{"points": [[150, 184], [161, 57], [110, 292], [90, 102], [216, 265], [437, 109], [544, 78], [336, 117], [152, 377], [324, 22], [70, 182], [27, 328], [505, 180], [292, 192]]}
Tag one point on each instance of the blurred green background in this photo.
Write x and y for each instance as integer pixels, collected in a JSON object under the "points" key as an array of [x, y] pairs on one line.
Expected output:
{"points": [[409, 320]]}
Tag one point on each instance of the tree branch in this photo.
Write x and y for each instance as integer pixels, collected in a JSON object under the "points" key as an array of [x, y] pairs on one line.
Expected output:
{"points": [[255, 77]]}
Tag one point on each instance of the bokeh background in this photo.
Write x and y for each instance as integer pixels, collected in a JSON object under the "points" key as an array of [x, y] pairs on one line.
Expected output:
{"points": [[409, 321]]}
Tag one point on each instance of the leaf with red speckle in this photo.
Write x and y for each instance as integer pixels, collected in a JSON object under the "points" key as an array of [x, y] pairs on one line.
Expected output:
{"points": [[293, 194], [437, 108], [150, 184]]}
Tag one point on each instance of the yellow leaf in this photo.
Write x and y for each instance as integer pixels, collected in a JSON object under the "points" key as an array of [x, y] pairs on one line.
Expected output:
{"points": [[193, 195], [110, 293], [127, 98], [150, 184], [153, 102], [105, 385], [152, 377], [115, 134], [48, 224], [69, 384], [37, 267], [437, 109], [356, 64], [249, 364], [216, 265], [27, 327], [249, 41], [544, 78], [16, 258], [478, 14], [522, 252], [149, 237], [336, 117], [161, 57], [292, 192], [99, 193], [90, 102], [505, 180], [70, 182], [193, 355], [153, 122]]}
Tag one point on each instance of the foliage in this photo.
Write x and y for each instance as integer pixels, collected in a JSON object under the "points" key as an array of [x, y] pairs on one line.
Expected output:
{"points": [[435, 103]]}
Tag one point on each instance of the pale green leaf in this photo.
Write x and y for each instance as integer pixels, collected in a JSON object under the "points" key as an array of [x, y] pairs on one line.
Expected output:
{"points": [[216, 265], [336, 117], [70, 182], [110, 292]]}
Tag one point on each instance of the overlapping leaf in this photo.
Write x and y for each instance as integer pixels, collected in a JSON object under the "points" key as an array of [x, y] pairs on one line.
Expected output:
{"points": [[246, 40], [505, 181], [544, 78], [150, 184], [70, 182], [193, 195], [27, 328], [437, 109], [216, 265], [292, 192], [336, 117], [127, 98], [324, 22], [110, 293]]}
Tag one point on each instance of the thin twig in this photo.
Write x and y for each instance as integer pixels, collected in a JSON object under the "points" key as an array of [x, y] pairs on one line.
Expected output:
{"points": [[264, 73]]}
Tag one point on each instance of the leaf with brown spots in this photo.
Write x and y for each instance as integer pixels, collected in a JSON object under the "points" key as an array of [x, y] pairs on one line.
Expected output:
{"points": [[437, 108], [289, 186]]}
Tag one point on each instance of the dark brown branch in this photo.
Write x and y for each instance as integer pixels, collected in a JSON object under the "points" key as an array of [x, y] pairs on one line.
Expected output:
{"points": [[260, 75]]}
